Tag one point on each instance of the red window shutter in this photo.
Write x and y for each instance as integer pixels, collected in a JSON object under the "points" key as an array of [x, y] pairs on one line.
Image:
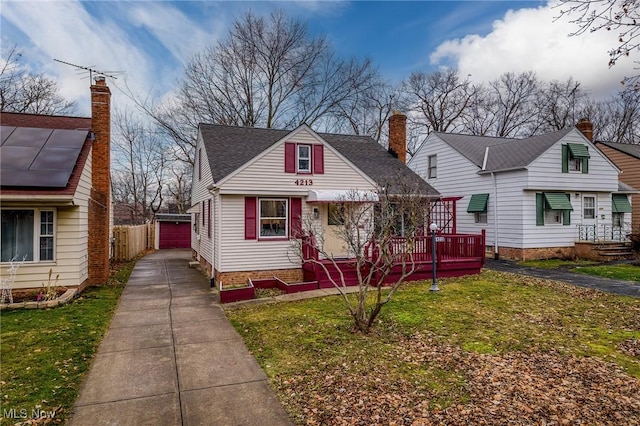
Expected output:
{"points": [[289, 157], [250, 225], [204, 213], [318, 159], [200, 164], [296, 217], [209, 218]]}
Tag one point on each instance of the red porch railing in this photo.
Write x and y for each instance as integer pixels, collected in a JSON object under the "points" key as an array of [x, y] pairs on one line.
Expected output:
{"points": [[456, 254]]}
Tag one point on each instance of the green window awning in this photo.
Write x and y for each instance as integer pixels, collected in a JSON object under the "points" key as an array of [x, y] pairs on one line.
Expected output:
{"points": [[557, 201], [620, 204], [578, 150], [478, 203]]}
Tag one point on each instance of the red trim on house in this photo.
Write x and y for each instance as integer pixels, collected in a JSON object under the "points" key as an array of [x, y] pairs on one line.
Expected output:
{"points": [[295, 217], [250, 218], [44, 121], [318, 159], [289, 157]]}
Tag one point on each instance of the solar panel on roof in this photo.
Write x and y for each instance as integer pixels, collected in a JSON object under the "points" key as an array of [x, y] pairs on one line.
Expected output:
{"points": [[31, 157], [5, 131], [28, 136]]}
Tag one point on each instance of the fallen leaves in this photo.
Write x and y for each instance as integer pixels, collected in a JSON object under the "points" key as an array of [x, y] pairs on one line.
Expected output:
{"points": [[481, 389]]}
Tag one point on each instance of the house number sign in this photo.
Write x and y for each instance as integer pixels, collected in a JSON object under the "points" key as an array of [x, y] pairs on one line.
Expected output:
{"points": [[304, 182]]}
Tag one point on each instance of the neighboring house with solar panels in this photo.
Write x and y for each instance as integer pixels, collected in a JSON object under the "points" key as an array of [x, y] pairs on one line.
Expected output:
{"points": [[546, 196], [252, 188], [627, 158], [55, 195]]}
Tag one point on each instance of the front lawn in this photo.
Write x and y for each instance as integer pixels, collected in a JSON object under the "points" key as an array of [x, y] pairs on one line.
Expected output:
{"points": [[623, 271], [615, 271], [44, 354], [494, 348]]}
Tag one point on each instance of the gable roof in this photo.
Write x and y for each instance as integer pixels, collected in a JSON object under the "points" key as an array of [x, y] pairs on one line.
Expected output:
{"points": [[626, 148], [230, 147], [40, 159], [504, 153]]}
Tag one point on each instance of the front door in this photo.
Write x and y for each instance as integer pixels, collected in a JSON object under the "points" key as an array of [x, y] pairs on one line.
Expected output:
{"points": [[330, 215], [589, 209]]}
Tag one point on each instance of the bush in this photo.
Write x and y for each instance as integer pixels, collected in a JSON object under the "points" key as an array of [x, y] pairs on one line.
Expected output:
{"points": [[635, 242]]}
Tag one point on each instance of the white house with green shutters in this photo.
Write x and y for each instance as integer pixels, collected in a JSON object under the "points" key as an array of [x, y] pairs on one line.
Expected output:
{"points": [[535, 197]]}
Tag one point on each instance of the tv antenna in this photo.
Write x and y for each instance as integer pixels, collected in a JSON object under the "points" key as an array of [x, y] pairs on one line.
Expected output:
{"points": [[91, 71]]}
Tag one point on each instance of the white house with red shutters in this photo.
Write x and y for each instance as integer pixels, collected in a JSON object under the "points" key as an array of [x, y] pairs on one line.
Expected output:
{"points": [[252, 187]]}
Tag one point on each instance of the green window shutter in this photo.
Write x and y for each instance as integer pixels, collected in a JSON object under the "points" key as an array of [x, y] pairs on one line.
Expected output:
{"points": [[539, 210], [620, 203], [478, 203], [565, 159], [566, 217], [578, 150], [558, 201], [585, 165]]}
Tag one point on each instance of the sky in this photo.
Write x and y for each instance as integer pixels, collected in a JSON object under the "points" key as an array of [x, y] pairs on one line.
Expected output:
{"points": [[145, 44]]}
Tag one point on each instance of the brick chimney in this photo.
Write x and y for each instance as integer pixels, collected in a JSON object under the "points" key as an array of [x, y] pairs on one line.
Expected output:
{"points": [[586, 127], [398, 135], [100, 199]]}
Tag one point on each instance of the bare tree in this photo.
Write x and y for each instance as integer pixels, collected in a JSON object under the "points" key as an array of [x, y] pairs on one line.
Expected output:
{"points": [[440, 99], [267, 72], [139, 169], [560, 104], [622, 16], [178, 187], [512, 102], [22, 91], [384, 239]]}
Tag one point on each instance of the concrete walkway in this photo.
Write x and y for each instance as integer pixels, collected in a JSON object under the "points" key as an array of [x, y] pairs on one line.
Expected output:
{"points": [[624, 288], [171, 357]]}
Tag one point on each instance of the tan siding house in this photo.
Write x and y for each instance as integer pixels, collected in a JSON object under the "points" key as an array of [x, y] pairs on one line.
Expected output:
{"points": [[51, 204], [627, 158], [252, 188]]}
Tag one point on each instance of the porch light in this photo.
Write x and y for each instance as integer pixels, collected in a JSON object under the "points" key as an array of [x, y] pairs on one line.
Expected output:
{"points": [[434, 284], [316, 213]]}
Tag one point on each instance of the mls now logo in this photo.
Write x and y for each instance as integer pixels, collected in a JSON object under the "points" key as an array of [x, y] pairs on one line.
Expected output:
{"points": [[23, 413]]}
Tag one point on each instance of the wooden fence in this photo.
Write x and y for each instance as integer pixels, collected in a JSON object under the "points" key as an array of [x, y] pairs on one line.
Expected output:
{"points": [[130, 241]]}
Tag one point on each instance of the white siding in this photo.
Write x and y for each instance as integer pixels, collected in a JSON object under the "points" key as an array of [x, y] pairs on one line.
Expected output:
{"points": [[516, 192], [199, 193], [267, 172], [457, 176], [546, 171], [238, 254]]}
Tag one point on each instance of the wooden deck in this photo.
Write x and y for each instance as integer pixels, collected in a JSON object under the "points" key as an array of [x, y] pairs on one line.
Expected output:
{"points": [[456, 255]]}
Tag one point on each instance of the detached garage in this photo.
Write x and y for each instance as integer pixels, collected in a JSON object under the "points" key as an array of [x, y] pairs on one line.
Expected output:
{"points": [[173, 231]]}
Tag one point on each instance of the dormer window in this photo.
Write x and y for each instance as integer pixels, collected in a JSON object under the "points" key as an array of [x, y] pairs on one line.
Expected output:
{"points": [[304, 158], [575, 158]]}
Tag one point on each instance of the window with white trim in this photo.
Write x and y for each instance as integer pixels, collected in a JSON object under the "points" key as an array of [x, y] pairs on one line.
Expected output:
{"points": [[589, 207], [552, 216], [432, 167], [274, 217], [304, 158], [27, 234]]}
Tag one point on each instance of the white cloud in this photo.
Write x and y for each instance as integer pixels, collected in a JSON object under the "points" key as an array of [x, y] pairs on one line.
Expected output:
{"points": [[530, 39]]}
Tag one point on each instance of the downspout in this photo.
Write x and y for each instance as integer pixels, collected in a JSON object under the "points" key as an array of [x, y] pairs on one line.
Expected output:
{"points": [[496, 255], [214, 234]]}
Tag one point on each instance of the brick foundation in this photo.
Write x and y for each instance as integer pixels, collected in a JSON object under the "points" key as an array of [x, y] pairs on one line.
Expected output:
{"points": [[537, 253], [233, 278]]}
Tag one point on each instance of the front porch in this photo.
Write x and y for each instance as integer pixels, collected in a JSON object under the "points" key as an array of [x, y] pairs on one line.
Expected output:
{"points": [[604, 242], [456, 255]]}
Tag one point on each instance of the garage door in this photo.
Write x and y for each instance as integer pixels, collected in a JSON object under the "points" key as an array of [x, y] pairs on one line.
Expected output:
{"points": [[175, 235]]}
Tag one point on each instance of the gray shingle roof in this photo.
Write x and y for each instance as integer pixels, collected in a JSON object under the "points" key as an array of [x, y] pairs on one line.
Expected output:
{"points": [[230, 147], [626, 148], [504, 153]]}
